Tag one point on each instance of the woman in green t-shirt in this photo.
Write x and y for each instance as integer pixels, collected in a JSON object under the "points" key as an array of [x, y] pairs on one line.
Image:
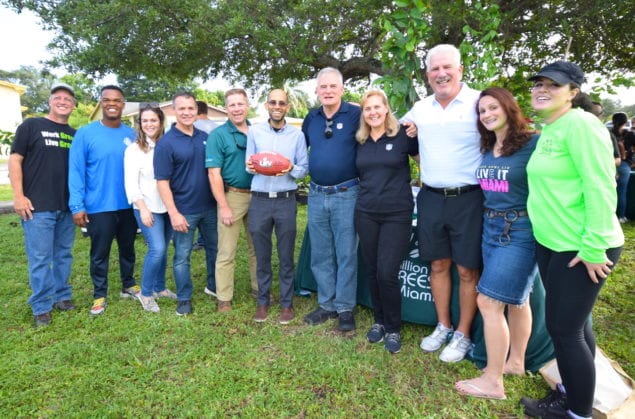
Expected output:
{"points": [[571, 204]]}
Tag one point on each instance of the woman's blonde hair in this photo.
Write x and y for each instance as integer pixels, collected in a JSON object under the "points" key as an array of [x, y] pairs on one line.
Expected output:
{"points": [[390, 123]]}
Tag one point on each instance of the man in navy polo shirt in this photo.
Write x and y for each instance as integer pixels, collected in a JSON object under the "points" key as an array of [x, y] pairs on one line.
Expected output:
{"points": [[330, 134], [179, 167]]}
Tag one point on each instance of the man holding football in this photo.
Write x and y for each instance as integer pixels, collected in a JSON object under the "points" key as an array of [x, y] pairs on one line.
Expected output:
{"points": [[273, 204], [230, 182]]}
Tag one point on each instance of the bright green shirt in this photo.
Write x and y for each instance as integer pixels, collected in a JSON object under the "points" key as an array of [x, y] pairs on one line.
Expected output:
{"points": [[572, 196]]}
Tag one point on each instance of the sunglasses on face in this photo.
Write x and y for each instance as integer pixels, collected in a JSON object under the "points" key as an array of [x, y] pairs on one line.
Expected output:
{"points": [[328, 129], [149, 105], [238, 146]]}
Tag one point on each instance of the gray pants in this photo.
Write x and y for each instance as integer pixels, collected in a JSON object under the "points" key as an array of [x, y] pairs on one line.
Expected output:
{"points": [[265, 215]]}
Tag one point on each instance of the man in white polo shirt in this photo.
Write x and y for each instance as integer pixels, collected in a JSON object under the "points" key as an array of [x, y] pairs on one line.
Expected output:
{"points": [[450, 204]]}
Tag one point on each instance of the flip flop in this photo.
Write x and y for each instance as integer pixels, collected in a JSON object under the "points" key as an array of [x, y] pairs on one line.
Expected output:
{"points": [[475, 391]]}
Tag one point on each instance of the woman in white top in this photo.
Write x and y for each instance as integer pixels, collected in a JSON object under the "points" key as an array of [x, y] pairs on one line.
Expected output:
{"points": [[151, 214]]}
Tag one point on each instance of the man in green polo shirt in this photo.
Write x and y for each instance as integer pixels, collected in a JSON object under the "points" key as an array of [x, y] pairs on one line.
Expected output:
{"points": [[230, 182]]}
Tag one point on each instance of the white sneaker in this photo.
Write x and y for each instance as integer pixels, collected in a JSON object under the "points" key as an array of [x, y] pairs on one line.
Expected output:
{"points": [[209, 292], [166, 293], [623, 220], [149, 304], [456, 349], [434, 341]]}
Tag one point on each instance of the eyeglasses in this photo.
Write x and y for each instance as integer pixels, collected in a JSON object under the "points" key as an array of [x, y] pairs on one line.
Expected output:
{"points": [[149, 105], [280, 103], [240, 147], [328, 130]]}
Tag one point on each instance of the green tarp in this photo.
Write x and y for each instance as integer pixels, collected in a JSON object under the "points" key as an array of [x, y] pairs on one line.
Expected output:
{"points": [[417, 305]]}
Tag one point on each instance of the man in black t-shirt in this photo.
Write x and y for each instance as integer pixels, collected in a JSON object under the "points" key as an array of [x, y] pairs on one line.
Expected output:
{"points": [[38, 169]]}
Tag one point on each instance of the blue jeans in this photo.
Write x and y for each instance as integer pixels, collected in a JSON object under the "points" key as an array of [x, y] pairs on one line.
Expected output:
{"points": [[509, 259], [206, 221], [334, 248], [158, 238], [623, 175], [48, 240]]}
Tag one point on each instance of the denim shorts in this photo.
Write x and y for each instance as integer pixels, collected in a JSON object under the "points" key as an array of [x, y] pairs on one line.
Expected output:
{"points": [[509, 260]]}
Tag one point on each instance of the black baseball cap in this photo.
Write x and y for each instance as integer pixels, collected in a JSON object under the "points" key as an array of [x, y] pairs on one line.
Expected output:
{"points": [[562, 72], [62, 86]]}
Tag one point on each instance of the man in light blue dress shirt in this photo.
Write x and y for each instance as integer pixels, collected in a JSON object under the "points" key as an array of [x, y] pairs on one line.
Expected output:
{"points": [[273, 203]]}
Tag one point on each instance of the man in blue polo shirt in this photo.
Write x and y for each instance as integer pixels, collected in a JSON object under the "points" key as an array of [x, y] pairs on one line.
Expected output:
{"points": [[330, 134], [179, 168], [273, 203]]}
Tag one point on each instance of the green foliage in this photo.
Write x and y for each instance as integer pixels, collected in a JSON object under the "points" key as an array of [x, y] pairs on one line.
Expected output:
{"points": [[216, 98], [352, 96], [254, 41], [140, 88], [81, 115], [130, 363], [38, 84], [504, 42], [6, 193], [262, 43], [6, 137], [86, 91]]}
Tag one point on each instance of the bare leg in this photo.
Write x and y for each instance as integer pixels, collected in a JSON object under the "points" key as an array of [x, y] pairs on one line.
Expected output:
{"points": [[441, 287], [520, 321], [467, 298], [490, 383]]}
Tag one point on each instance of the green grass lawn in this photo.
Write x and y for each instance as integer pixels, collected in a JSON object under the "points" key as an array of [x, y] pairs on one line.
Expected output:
{"points": [[128, 362], [6, 194]]}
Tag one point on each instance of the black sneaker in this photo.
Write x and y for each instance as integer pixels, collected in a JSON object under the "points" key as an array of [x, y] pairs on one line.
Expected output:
{"points": [[184, 308], [552, 406], [64, 305], [393, 343], [319, 316], [346, 322], [376, 333], [43, 319]]}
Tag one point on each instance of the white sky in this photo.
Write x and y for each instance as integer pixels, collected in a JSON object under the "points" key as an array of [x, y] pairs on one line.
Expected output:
{"points": [[24, 43]]}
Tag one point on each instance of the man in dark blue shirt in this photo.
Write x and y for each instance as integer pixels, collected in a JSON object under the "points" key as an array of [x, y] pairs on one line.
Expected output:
{"points": [[330, 134], [179, 167]]}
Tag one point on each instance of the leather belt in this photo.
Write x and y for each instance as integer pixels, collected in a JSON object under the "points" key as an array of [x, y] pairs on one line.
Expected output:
{"points": [[340, 187], [232, 189], [273, 195], [508, 215], [453, 192]]}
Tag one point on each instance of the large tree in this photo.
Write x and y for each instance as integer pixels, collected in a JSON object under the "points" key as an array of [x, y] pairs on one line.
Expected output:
{"points": [[503, 42], [269, 42]]}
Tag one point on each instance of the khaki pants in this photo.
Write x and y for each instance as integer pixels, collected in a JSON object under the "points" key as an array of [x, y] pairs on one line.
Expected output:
{"points": [[228, 243]]}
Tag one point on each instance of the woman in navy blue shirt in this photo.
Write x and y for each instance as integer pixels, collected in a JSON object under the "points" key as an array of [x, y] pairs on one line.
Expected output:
{"points": [[508, 245], [383, 212]]}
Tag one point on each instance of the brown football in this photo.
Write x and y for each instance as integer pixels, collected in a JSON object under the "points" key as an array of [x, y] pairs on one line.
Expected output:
{"points": [[269, 163]]}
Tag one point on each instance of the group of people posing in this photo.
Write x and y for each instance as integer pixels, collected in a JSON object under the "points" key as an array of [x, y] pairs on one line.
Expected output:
{"points": [[499, 201]]}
